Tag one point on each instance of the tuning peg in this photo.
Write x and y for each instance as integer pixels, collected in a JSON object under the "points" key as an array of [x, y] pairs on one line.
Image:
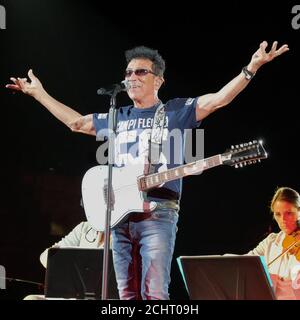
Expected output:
{"points": [[232, 147], [236, 165], [258, 160], [241, 145], [236, 146], [250, 143]]}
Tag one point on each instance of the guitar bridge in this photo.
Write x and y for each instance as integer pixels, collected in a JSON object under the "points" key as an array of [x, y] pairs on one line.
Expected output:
{"points": [[105, 195]]}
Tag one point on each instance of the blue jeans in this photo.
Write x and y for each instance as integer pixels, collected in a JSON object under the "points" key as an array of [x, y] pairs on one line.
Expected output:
{"points": [[142, 253]]}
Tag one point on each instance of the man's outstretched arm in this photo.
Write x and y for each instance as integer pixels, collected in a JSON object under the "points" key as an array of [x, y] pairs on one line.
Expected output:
{"points": [[71, 118], [211, 102]]}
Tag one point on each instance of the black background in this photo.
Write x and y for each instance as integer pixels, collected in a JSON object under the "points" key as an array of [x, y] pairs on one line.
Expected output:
{"points": [[75, 47]]}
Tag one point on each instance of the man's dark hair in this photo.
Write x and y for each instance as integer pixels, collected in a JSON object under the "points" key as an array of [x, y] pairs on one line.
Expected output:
{"points": [[142, 52]]}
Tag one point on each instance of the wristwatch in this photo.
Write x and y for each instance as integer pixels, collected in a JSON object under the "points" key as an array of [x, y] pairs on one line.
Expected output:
{"points": [[248, 74]]}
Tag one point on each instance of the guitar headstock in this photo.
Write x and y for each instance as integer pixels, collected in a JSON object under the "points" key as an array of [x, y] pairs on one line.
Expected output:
{"points": [[244, 154]]}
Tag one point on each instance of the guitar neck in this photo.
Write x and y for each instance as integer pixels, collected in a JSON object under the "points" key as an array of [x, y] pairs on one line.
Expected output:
{"points": [[156, 179]]}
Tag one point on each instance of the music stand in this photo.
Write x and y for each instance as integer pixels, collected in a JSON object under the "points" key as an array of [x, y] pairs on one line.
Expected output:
{"points": [[74, 272], [226, 277]]}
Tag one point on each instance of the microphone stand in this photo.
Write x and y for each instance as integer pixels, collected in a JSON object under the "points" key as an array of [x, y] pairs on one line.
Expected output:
{"points": [[112, 123]]}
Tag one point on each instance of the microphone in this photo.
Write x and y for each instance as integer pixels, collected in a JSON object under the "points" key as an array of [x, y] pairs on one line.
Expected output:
{"points": [[114, 88]]}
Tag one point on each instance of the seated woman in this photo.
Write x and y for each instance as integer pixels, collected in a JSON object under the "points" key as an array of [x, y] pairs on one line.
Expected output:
{"points": [[83, 235], [282, 250]]}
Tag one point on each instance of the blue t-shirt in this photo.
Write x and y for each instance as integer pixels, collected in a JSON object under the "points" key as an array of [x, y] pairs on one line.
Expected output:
{"points": [[134, 130]]}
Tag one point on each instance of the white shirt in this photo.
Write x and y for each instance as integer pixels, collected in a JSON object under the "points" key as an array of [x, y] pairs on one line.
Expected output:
{"points": [[284, 271]]}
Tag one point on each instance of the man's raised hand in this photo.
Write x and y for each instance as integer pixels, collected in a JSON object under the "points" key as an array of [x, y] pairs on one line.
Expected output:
{"points": [[33, 88], [261, 56]]}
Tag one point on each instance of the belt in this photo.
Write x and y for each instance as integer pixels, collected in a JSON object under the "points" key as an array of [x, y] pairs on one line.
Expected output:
{"points": [[139, 216], [169, 204]]}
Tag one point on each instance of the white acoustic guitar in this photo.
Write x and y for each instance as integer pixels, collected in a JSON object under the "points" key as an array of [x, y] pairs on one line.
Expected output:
{"points": [[129, 183]]}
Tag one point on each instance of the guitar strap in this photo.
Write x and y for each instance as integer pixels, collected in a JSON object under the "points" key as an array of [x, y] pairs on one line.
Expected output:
{"points": [[155, 142], [155, 148]]}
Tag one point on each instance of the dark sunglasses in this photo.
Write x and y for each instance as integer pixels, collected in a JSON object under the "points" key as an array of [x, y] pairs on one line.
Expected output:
{"points": [[138, 72]]}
